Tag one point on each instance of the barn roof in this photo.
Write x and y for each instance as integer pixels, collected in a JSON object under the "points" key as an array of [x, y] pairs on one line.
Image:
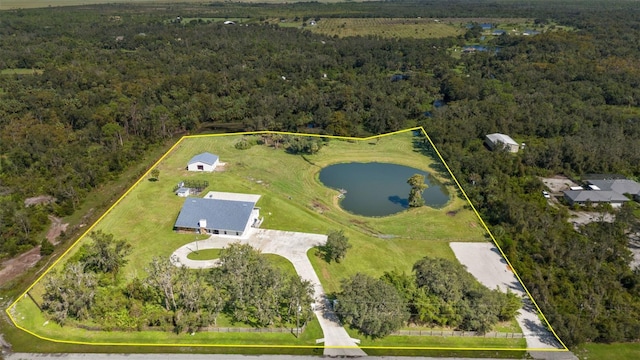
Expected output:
{"points": [[205, 158]]}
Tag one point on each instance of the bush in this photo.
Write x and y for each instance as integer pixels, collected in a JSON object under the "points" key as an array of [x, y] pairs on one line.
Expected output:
{"points": [[46, 247], [245, 144]]}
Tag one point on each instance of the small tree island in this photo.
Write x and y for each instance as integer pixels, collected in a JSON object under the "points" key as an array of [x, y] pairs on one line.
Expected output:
{"points": [[417, 187]]}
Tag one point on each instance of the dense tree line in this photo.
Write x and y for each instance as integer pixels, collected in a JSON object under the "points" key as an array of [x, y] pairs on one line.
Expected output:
{"points": [[107, 90], [573, 98], [245, 287], [439, 293]]}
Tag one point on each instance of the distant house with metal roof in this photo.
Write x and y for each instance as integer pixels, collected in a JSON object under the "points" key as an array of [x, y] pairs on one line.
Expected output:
{"points": [[203, 162], [594, 197], [611, 191], [621, 186], [218, 215], [497, 140]]}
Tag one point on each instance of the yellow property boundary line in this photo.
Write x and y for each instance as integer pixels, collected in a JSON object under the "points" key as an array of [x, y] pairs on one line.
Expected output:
{"points": [[421, 129]]}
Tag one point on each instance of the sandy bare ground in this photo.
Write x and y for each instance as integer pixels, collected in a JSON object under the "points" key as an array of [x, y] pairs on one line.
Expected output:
{"points": [[12, 268], [634, 246], [558, 184], [57, 227], [485, 263]]}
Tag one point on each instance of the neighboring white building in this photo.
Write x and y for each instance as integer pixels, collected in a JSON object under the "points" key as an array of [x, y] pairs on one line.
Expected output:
{"points": [[203, 162], [497, 140], [183, 192]]}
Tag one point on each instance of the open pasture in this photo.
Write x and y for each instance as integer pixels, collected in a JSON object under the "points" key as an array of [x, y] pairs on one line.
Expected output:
{"points": [[418, 28]]}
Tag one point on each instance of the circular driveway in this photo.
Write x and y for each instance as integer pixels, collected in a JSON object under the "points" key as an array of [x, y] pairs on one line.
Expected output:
{"points": [[294, 247]]}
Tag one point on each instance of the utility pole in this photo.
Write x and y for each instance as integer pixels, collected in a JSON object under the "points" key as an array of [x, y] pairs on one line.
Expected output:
{"points": [[298, 319]]}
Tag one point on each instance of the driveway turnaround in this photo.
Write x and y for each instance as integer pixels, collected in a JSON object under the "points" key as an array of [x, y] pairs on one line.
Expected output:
{"points": [[293, 246], [484, 261]]}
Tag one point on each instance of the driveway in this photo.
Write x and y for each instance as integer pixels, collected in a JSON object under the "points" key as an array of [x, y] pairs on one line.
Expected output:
{"points": [[485, 263], [293, 246]]}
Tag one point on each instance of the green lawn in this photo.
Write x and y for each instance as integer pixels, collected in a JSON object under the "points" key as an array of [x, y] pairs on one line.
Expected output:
{"points": [[207, 254], [460, 342], [292, 199], [32, 319], [618, 351]]}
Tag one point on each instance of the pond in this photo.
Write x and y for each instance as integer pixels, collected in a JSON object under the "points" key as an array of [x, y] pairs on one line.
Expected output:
{"points": [[379, 189]]}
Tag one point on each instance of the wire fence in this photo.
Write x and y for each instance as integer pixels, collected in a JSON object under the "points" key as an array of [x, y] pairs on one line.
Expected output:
{"points": [[456, 333], [216, 329]]}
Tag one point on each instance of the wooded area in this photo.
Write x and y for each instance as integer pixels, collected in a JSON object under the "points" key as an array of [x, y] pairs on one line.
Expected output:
{"points": [[245, 287], [110, 82]]}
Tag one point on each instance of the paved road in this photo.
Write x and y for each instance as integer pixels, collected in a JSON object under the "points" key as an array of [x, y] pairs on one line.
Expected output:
{"points": [[293, 246], [33, 356], [484, 261]]}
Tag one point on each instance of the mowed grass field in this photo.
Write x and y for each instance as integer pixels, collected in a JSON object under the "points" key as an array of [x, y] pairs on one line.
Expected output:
{"points": [[292, 199], [384, 27], [621, 351]]}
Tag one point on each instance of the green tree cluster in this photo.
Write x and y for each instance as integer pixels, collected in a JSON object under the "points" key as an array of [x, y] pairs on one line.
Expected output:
{"points": [[440, 293], [371, 305], [245, 288], [336, 246], [417, 187]]}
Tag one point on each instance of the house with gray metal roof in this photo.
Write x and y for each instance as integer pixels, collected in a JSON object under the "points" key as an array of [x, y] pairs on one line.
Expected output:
{"points": [[499, 141], [203, 162], [621, 186], [594, 197], [217, 216]]}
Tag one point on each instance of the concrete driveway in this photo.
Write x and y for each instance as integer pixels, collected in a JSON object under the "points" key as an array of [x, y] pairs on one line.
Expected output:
{"points": [[485, 263], [293, 246]]}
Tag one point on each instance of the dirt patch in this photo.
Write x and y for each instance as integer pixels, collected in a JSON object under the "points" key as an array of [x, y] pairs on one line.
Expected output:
{"points": [[558, 184], [358, 222], [578, 218], [318, 206], [634, 246], [57, 227], [14, 267], [452, 213], [37, 200]]}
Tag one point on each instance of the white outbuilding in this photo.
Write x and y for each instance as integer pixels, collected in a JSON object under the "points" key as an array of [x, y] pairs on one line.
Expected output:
{"points": [[497, 140], [203, 162]]}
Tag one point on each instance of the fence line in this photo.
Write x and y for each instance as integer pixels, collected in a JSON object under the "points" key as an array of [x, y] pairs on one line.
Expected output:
{"points": [[492, 334], [292, 330]]}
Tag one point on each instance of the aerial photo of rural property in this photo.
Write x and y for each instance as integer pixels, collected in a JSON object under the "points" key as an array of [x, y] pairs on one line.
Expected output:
{"points": [[425, 179]]}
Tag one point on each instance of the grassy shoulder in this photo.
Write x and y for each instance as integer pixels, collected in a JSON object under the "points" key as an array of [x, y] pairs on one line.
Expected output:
{"points": [[453, 342], [292, 199], [31, 318], [622, 351]]}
